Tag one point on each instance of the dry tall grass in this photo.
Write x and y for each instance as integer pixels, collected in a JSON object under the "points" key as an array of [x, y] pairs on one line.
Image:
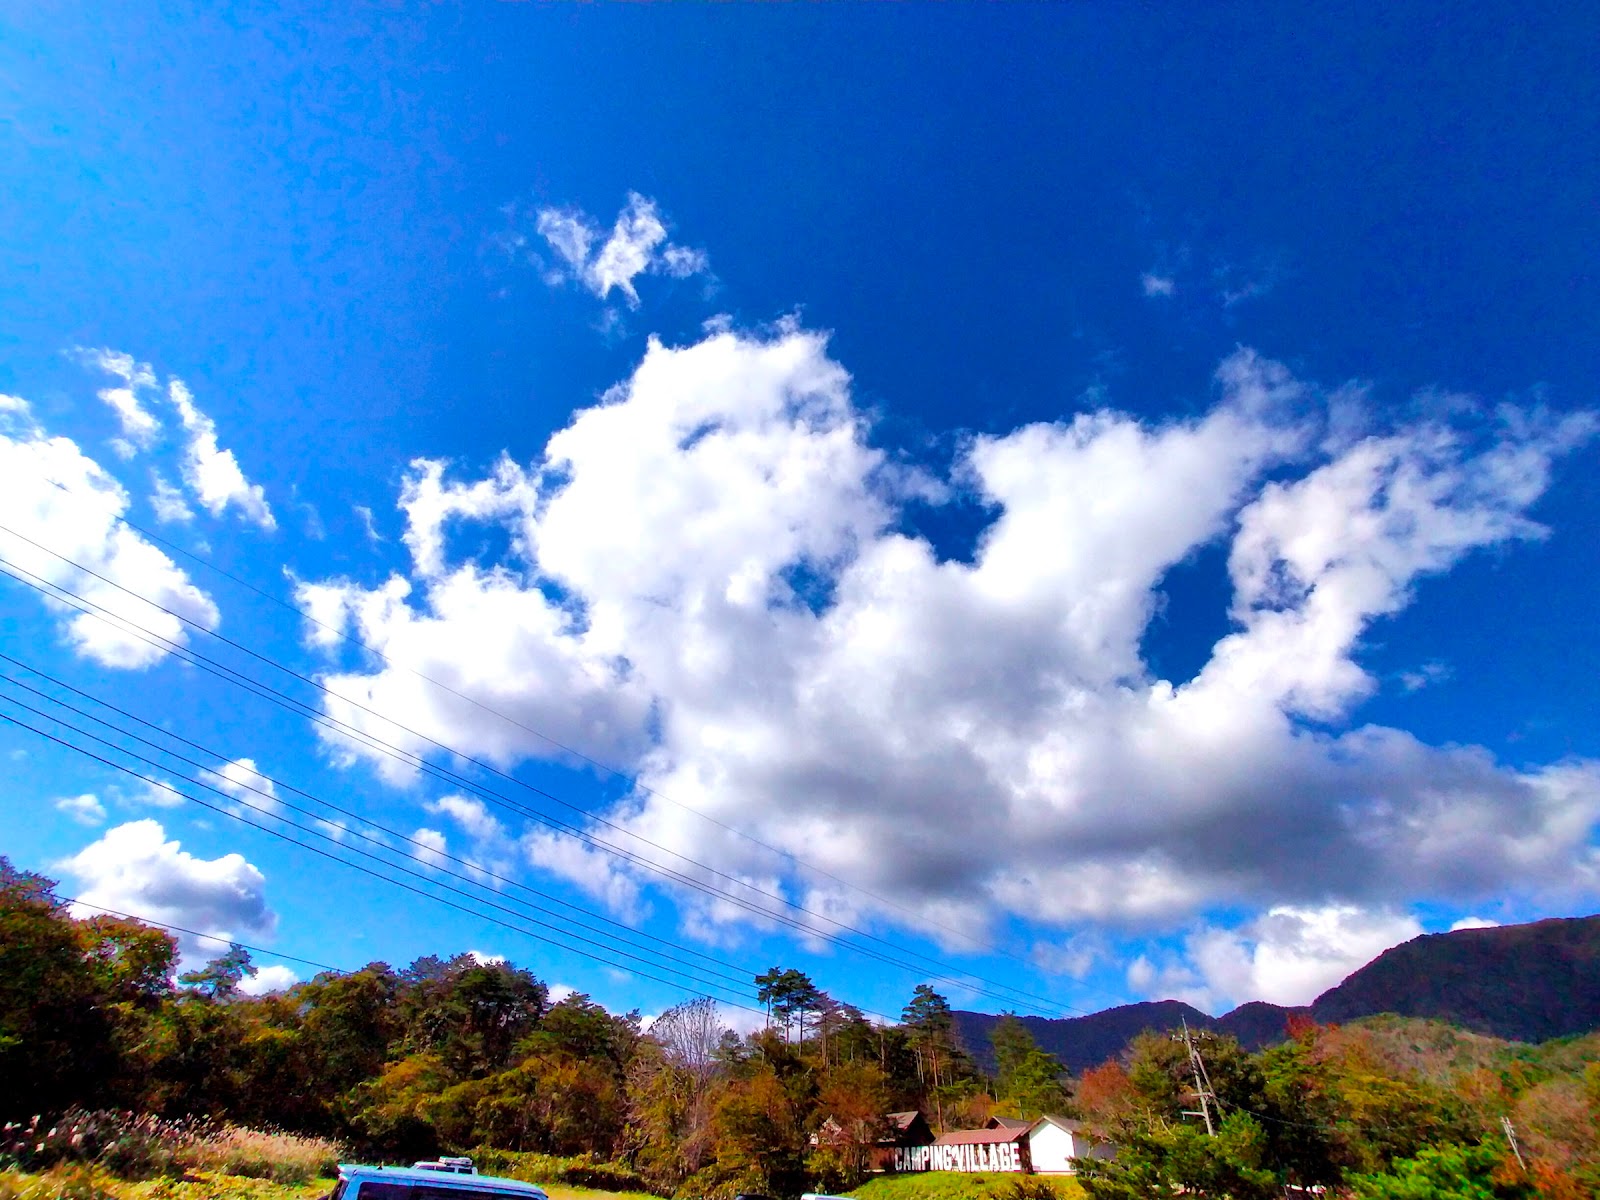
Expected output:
{"points": [[260, 1154], [131, 1146]]}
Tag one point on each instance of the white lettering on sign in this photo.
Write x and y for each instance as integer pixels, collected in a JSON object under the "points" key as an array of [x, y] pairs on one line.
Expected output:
{"points": [[971, 1156]]}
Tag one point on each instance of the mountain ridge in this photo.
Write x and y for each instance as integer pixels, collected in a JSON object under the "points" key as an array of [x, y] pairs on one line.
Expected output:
{"points": [[1525, 983]]}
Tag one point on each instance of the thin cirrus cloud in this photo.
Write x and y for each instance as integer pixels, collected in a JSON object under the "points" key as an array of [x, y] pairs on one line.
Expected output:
{"points": [[209, 470], [657, 549], [602, 261]]}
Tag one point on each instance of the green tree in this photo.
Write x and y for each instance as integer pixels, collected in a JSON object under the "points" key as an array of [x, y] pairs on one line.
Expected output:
{"points": [[1447, 1172], [220, 978], [1028, 1080], [56, 1027]]}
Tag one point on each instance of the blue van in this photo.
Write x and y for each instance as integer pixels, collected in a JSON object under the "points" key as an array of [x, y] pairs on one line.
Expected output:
{"points": [[358, 1182]]}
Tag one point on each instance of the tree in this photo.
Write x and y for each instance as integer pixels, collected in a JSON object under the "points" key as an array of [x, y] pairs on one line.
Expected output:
{"points": [[55, 1028], [220, 978], [1447, 1173], [930, 1026], [1183, 1159], [691, 1035], [1028, 1079], [789, 995], [852, 1100]]}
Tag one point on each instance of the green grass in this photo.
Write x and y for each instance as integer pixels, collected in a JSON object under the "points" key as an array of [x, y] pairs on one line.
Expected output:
{"points": [[88, 1183], [954, 1185], [80, 1183]]}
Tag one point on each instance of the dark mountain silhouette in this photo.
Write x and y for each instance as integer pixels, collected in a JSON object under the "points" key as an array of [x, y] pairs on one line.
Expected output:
{"points": [[1525, 983]]}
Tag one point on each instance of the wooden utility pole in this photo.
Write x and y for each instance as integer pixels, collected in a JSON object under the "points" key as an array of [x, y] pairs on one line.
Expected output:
{"points": [[1511, 1136], [1202, 1082]]}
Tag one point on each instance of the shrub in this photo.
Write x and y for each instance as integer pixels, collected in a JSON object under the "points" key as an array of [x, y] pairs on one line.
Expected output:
{"points": [[1028, 1188], [259, 1154], [582, 1170], [75, 1182], [127, 1145]]}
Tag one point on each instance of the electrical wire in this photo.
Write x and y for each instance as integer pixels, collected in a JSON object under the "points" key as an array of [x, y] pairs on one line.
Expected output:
{"points": [[697, 986], [306, 962], [476, 869], [56, 591], [351, 639]]}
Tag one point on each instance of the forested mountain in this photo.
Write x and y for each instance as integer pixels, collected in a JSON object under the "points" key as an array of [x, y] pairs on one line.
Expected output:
{"points": [[1524, 983]]}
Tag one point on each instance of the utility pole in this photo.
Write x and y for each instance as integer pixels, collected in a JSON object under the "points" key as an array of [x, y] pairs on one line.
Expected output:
{"points": [[1511, 1136], [1202, 1082]]}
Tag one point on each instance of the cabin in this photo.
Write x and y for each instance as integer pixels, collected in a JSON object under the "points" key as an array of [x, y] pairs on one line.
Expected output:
{"points": [[1055, 1142]]}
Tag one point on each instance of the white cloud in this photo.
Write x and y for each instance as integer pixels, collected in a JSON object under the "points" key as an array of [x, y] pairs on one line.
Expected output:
{"points": [[140, 428], [1292, 955], [592, 871], [637, 245], [472, 815], [1474, 923], [14, 405], [79, 521], [485, 960], [242, 780], [707, 583], [155, 794], [560, 991], [429, 848], [266, 980], [134, 869], [368, 525], [168, 501], [211, 472], [1158, 285], [85, 809]]}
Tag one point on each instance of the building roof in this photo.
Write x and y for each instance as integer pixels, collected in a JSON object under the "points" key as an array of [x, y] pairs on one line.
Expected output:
{"points": [[902, 1120], [1066, 1123], [987, 1137], [1009, 1123], [443, 1179]]}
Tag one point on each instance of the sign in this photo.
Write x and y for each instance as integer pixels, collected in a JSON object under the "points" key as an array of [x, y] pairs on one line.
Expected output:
{"points": [[974, 1156]]}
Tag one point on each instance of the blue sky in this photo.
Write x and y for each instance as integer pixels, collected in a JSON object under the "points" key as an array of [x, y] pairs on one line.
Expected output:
{"points": [[1103, 504]]}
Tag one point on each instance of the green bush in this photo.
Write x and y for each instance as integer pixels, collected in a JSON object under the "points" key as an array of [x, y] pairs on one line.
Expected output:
{"points": [[583, 1170], [75, 1182]]}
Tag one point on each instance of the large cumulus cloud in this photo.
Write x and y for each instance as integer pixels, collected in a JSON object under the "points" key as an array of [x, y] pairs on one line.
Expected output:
{"points": [[709, 583]]}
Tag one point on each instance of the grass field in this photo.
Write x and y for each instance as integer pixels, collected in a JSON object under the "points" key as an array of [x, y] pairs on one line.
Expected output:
{"points": [[84, 1184], [952, 1185], [93, 1185]]}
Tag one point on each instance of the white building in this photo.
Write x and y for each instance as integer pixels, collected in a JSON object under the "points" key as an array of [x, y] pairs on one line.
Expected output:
{"points": [[1053, 1142]]}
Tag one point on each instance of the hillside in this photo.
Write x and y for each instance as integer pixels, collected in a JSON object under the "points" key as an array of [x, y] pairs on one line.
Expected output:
{"points": [[1522, 983]]}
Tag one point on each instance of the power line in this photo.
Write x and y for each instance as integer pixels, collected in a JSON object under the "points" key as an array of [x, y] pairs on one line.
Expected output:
{"points": [[350, 638], [474, 869], [228, 674], [78, 601], [702, 988], [196, 933]]}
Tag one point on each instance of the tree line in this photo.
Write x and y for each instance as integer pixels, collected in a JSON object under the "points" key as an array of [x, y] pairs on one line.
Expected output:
{"points": [[457, 1054]]}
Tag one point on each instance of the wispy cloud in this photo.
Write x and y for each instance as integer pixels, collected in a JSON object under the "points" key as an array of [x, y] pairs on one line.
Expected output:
{"points": [[1158, 285], [636, 245], [140, 428], [212, 472]]}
